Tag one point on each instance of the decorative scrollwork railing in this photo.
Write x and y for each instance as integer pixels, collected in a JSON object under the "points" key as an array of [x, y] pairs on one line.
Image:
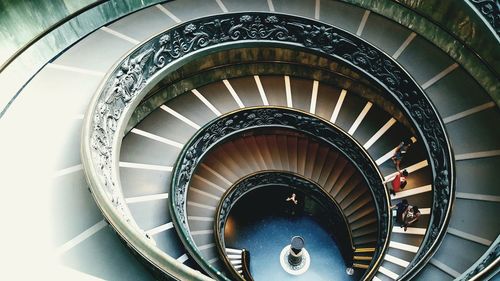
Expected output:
{"points": [[486, 266], [489, 10], [226, 126], [142, 68], [279, 179]]}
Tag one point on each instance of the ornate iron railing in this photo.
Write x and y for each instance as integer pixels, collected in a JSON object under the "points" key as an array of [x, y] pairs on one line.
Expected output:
{"points": [[226, 126], [263, 179], [486, 266], [489, 10], [129, 82]]}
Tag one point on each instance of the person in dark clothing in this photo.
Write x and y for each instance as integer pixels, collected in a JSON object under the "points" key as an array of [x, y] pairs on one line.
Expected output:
{"points": [[400, 152], [410, 216], [401, 208]]}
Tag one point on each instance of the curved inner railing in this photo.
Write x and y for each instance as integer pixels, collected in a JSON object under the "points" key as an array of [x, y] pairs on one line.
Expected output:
{"points": [[245, 261], [283, 179], [227, 126], [126, 85]]}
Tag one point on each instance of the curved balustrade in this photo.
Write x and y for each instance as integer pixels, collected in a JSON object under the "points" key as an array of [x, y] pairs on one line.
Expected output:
{"points": [[460, 32], [489, 11], [245, 261], [138, 72], [333, 211], [486, 267], [241, 121]]}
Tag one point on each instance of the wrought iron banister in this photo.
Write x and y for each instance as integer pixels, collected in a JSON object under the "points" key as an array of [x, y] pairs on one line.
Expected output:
{"points": [[489, 11], [486, 266], [245, 262], [126, 85], [274, 179], [245, 120]]}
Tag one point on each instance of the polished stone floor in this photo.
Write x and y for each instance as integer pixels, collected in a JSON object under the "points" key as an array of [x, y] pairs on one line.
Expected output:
{"points": [[265, 234], [266, 237]]}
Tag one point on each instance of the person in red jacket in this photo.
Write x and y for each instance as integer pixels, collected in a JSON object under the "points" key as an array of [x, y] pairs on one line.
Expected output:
{"points": [[399, 182]]}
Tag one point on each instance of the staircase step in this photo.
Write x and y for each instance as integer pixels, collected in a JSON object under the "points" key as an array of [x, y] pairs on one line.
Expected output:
{"points": [[282, 145], [412, 240], [401, 254], [358, 193], [475, 217], [358, 204], [365, 241], [364, 250], [327, 168], [239, 158], [181, 11], [301, 88], [311, 156], [150, 214], [351, 107], [364, 222], [396, 260], [346, 175], [234, 251], [328, 96], [320, 162], [484, 171], [359, 265], [262, 146], [391, 139], [340, 165], [452, 245], [370, 228], [341, 14], [191, 107], [219, 96], [364, 211], [197, 225], [198, 195], [374, 120], [355, 181], [431, 272], [274, 151], [247, 90], [302, 147]]}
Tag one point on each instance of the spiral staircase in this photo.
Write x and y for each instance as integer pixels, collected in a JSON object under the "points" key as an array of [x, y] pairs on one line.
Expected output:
{"points": [[49, 178]]}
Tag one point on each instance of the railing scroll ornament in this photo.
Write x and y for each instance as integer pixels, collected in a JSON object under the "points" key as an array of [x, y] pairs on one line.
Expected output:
{"points": [[226, 126], [125, 87]]}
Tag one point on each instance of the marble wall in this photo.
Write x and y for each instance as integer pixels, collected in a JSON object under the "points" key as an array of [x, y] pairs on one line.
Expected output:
{"points": [[22, 20]]}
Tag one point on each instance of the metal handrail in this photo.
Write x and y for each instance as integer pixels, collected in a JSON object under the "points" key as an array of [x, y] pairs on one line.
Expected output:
{"points": [[463, 43], [278, 178], [486, 266], [248, 119], [146, 65], [245, 262]]}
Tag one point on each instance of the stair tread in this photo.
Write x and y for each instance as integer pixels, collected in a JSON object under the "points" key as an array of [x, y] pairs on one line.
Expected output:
{"points": [[204, 8]]}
